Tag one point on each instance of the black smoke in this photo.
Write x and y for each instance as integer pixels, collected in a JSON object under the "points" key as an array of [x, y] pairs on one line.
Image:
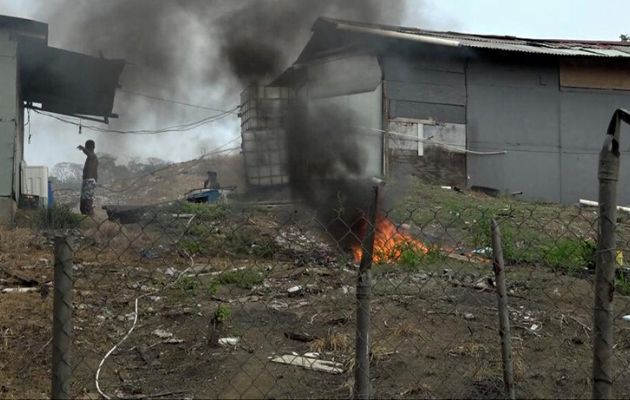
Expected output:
{"points": [[208, 50], [328, 165], [227, 40], [197, 51]]}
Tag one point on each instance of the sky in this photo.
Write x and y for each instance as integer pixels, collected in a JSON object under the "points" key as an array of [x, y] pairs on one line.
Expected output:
{"points": [[52, 141]]}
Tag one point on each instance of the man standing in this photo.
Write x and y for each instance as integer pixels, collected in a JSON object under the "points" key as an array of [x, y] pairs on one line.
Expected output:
{"points": [[90, 175], [211, 181]]}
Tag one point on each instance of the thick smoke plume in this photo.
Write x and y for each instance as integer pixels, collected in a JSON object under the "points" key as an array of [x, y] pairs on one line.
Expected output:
{"points": [[197, 51], [208, 50], [181, 44], [328, 165]]}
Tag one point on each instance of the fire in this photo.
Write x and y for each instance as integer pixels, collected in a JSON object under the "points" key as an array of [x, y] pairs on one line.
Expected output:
{"points": [[389, 242]]}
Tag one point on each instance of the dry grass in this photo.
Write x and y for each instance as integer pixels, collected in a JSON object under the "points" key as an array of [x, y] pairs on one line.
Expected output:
{"points": [[405, 329], [108, 230], [15, 238], [333, 342], [24, 252], [468, 349], [378, 353]]}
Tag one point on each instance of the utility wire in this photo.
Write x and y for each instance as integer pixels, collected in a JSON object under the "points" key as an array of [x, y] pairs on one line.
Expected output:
{"points": [[174, 101], [448, 146], [174, 128]]}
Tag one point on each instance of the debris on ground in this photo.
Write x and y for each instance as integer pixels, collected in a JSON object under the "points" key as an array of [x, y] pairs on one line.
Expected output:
{"points": [[229, 341], [161, 333], [314, 364]]}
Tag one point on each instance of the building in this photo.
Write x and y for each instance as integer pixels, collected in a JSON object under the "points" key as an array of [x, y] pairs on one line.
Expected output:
{"points": [[504, 113], [34, 75]]}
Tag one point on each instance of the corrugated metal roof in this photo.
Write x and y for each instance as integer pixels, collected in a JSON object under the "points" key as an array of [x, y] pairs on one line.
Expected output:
{"points": [[556, 47]]}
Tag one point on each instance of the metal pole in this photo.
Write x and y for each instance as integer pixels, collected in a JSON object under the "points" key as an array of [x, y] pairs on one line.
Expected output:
{"points": [[504, 316], [62, 319], [608, 175], [364, 288]]}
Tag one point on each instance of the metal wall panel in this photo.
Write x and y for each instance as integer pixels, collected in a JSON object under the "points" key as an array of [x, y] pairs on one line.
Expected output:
{"points": [[423, 87], [8, 113], [342, 76], [514, 109], [521, 72], [418, 110], [426, 92], [367, 109], [401, 68], [584, 117]]}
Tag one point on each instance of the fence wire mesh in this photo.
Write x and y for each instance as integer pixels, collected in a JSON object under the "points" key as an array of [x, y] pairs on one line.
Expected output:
{"points": [[246, 300]]}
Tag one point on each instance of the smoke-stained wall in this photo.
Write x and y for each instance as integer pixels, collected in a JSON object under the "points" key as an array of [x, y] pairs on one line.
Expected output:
{"points": [[351, 87]]}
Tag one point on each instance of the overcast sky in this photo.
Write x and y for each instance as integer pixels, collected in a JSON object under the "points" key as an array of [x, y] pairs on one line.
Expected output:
{"points": [[53, 142]]}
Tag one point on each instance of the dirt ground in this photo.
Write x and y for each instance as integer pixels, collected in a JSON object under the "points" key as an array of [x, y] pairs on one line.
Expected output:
{"points": [[434, 324]]}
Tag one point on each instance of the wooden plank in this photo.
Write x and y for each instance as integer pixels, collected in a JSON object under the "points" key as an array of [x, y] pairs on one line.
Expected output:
{"points": [[591, 75]]}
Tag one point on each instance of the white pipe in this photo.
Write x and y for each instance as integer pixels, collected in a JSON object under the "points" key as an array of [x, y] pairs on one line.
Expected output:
{"points": [[400, 35], [591, 203]]}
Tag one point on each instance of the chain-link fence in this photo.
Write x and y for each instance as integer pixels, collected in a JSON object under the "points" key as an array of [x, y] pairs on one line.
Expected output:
{"points": [[250, 300]]}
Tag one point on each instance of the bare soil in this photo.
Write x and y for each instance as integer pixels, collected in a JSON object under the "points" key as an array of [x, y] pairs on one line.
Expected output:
{"points": [[434, 324]]}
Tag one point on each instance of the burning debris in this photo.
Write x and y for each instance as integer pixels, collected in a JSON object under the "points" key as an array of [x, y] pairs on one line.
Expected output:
{"points": [[389, 241]]}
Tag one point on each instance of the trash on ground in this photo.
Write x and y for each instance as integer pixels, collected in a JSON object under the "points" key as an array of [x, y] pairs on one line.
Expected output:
{"points": [[20, 290], [300, 337], [295, 290], [161, 333], [229, 341], [483, 251], [314, 364]]}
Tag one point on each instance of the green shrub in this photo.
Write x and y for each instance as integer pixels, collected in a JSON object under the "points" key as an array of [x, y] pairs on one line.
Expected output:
{"points": [[190, 246], [244, 278], [523, 244], [413, 257], [189, 285], [204, 211], [193, 286], [570, 254], [222, 313], [622, 285], [57, 217], [250, 242], [518, 245]]}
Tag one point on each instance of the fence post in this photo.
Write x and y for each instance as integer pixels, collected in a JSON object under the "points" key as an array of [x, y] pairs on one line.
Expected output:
{"points": [[364, 289], [504, 316], [62, 319], [608, 174]]}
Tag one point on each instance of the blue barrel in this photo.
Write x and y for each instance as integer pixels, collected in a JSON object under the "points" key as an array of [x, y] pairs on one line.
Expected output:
{"points": [[51, 198]]}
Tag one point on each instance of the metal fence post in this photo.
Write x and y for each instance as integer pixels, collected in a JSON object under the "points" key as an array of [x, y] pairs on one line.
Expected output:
{"points": [[62, 319], [608, 174], [364, 289], [504, 316]]}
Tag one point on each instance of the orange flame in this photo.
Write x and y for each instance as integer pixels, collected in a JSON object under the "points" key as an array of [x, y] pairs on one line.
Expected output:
{"points": [[389, 242]]}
